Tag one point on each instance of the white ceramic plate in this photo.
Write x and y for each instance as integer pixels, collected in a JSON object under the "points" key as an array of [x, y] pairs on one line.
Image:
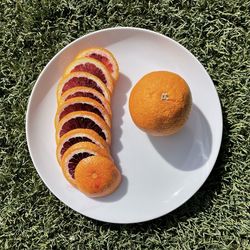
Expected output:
{"points": [[159, 174]]}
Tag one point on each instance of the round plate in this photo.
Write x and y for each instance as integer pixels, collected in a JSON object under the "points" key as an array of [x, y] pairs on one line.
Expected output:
{"points": [[159, 173]]}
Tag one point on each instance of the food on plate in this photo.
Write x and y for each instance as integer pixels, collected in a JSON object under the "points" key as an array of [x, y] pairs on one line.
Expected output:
{"points": [[94, 67], [97, 176], [75, 154], [83, 122], [160, 103], [82, 79], [86, 92], [83, 119], [82, 104], [79, 135], [104, 56]]}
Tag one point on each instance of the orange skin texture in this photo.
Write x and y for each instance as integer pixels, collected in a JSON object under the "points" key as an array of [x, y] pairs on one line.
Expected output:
{"points": [[97, 176], [153, 113]]}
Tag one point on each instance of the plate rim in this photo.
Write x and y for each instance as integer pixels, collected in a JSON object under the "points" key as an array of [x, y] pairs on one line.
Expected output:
{"points": [[27, 119]]}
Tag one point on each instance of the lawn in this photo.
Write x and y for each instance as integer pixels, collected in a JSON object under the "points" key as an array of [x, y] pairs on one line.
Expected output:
{"points": [[216, 32]]}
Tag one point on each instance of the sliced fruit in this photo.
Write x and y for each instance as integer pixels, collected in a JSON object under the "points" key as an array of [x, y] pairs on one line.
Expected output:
{"points": [[82, 79], [86, 92], [79, 135], [93, 67], [97, 176], [75, 154], [82, 104], [83, 119], [105, 57]]}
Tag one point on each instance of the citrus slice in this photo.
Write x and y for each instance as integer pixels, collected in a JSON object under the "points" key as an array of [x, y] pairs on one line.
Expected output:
{"points": [[82, 79], [97, 176], [75, 154], [82, 104], [78, 135], [93, 67], [104, 56], [86, 92], [83, 119]]}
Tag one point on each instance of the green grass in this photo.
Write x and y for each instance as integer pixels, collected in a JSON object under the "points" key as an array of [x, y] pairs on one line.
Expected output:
{"points": [[216, 32]]}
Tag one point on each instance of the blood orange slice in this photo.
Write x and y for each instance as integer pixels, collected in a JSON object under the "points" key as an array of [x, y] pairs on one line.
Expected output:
{"points": [[104, 56], [97, 176], [93, 67], [82, 104], [82, 79], [83, 119], [75, 154], [79, 135], [86, 92]]}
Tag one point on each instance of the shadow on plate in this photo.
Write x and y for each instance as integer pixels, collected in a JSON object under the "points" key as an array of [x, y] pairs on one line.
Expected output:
{"points": [[190, 148], [118, 194], [119, 99], [200, 202]]}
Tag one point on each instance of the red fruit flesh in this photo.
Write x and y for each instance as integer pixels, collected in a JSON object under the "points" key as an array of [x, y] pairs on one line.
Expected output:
{"points": [[81, 122], [92, 69], [81, 81], [102, 59], [80, 107], [75, 160], [84, 94], [73, 141]]}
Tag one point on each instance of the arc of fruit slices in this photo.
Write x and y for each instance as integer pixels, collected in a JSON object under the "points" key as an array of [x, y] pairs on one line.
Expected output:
{"points": [[83, 122]]}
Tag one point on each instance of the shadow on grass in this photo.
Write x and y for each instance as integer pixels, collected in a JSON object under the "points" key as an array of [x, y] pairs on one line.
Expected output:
{"points": [[197, 204]]}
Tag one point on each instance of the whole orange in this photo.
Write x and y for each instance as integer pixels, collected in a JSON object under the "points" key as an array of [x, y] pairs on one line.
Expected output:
{"points": [[160, 103]]}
